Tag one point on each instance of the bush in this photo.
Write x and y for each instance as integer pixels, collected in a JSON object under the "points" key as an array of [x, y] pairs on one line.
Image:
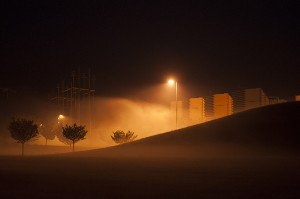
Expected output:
{"points": [[120, 137]]}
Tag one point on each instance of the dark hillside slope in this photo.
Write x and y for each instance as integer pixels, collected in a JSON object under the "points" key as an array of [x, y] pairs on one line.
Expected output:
{"points": [[271, 130]]}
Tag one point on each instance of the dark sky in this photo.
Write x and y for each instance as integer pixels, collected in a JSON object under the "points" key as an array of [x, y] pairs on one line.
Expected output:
{"points": [[130, 45]]}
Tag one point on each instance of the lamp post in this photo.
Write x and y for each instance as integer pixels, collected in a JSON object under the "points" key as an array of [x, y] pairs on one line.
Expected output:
{"points": [[171, 82]]}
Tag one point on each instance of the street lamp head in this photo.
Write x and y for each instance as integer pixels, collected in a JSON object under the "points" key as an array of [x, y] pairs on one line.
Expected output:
{"points": [[171, 82], [60, 117]]}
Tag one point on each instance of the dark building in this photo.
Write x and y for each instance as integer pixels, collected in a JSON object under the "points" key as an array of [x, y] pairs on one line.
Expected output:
{"points": [[238, 98], [248, 98], [276, 100], [209, 107]]}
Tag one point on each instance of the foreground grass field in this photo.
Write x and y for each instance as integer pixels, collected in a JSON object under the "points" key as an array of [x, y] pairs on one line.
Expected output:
{"points": [[90, 177]]}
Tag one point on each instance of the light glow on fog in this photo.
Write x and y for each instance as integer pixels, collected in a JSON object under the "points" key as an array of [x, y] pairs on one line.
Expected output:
{"points": [[145, 119]]}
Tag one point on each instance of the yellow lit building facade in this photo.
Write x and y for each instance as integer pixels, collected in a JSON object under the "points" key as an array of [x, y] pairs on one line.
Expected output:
{"points": [[196, 110], [223, 105]]}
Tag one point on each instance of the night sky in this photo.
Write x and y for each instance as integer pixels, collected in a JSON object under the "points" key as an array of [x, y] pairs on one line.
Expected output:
{"points": [[210, 46]]}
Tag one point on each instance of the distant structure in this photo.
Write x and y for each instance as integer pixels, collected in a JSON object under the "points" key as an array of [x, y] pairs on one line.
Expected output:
{"points": [[75, 98], [6, 93], [196, 110], [248, 99], [238, 98], [276, 100], [209, 107], [255, 97], [214, 106], [223, 105]]}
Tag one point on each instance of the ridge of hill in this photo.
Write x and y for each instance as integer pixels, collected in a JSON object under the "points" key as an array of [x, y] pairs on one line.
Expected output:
{"points": [[271, 130]]}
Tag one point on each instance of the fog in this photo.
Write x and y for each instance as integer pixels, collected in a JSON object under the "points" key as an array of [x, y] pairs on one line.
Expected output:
{"points": [[146, 112], [143, 118], [108, 115]]}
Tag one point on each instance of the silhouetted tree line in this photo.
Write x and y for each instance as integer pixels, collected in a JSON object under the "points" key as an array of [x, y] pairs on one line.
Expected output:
{"points": [[23, 131]]}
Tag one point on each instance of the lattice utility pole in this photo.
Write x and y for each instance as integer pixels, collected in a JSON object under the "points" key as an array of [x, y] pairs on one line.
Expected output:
{"points": [[76, 98]]}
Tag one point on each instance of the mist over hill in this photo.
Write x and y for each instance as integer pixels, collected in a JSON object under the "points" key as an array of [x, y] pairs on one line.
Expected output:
{"points": [[271, 130], [252, 154]]}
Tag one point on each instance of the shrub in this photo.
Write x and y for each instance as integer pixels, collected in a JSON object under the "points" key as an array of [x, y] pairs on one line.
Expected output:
{"points": [[120, 137]]}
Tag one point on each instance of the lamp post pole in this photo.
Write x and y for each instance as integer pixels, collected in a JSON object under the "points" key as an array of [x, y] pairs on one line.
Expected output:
{"points": [[171, 82], [176, 99]]}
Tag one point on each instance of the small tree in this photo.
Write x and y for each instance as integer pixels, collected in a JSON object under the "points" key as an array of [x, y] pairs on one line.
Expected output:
{"points": [[120, 137], [23, 131], [60, 136], [74, 133], [47, 132]]}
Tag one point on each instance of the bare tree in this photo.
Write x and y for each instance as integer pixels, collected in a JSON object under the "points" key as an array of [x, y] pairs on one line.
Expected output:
{"points": [[23, 131], [120, 137], [74, 133]]}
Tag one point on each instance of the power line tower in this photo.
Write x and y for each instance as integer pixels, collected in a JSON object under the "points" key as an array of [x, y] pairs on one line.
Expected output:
{"points": [[6, 93], [75, 98]]}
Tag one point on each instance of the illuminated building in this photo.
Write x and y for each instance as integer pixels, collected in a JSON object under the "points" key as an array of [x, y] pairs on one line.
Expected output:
{"points": [[223, 105], [196, 110], [297, 97]]}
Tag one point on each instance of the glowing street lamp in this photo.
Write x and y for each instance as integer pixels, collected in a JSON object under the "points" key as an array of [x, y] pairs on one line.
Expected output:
{"points": [[171, 82], [60, 118]]}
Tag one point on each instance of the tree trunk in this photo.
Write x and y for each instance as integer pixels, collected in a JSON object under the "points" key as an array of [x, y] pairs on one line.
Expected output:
{"points": [[22, 149], [73, 145], [46, 141]]}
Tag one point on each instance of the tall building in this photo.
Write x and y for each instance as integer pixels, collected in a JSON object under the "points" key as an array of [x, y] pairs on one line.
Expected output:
{"points": [[248, 98], [255, 97], [223, 105], [196, 110], [238, 98], [209, 107]]}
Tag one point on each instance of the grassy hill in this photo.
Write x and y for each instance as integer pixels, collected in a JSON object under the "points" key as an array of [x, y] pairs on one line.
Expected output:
{"points": [[269, 130], [194, 162]]}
